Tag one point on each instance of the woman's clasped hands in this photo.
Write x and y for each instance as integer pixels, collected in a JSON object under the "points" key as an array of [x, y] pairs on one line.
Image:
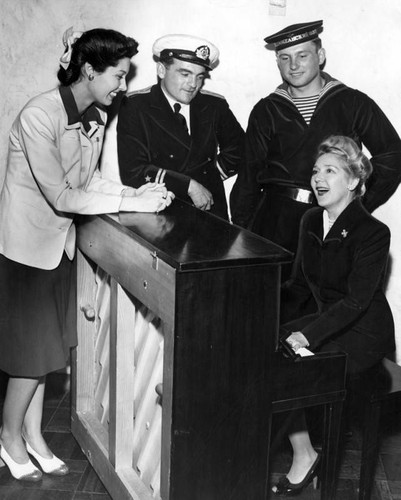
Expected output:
{"points": [[150, 197]]}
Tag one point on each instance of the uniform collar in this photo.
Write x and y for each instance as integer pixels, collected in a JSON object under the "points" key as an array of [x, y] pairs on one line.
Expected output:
{"points": [[74, 118], [328, 80], [172, 101]]}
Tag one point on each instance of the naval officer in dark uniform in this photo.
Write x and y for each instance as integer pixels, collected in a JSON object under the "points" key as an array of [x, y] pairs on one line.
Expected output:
{"points": [[177, 133], [285, 128]]}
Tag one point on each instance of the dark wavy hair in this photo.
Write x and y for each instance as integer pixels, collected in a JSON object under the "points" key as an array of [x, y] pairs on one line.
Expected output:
{"points": [[354, 159], [99, 47]]}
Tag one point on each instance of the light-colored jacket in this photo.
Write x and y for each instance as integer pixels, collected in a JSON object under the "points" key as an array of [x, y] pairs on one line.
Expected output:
{"points": [[52, 174]]}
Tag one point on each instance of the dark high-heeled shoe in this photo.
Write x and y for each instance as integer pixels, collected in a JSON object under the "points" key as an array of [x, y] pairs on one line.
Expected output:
{"points": [[287, 489]]}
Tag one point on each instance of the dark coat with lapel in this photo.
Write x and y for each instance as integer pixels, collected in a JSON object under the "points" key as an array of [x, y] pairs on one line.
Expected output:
{"points": [[150, 138], [345, 273]]}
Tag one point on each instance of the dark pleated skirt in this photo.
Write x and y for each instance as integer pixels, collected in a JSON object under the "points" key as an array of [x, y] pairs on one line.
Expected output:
{"points": [[37, 317]]}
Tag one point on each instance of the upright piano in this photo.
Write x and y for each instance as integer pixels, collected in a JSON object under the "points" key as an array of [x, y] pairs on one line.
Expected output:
{"points": [[172, 376]]}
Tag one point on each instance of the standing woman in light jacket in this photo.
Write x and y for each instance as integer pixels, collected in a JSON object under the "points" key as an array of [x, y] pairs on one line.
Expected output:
{"points": [[52, 174], [341, 260]]}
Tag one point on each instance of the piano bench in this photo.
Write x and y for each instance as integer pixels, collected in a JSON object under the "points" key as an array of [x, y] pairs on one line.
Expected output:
{"points": [[378, 389], [314, 381]]}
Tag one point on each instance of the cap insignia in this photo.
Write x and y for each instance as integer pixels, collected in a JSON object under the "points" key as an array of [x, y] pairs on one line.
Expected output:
{"points": [[203, 52]]}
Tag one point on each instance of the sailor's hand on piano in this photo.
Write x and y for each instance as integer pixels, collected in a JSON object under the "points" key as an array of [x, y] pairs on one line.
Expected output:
{"points": [[201, 197]]}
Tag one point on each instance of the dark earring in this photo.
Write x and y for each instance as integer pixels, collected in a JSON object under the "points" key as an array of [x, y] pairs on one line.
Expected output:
{"points": [[91, 77]]}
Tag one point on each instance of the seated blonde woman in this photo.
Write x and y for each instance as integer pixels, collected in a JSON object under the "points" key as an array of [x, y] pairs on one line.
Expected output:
{"points": [[341, 261]]}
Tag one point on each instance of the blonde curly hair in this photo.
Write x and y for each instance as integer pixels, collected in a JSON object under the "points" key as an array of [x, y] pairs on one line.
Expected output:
{"points": [[354, 159]]}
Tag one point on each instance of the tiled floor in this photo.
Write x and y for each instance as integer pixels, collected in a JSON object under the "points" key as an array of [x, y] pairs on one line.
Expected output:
{"points": [[83, 484]]}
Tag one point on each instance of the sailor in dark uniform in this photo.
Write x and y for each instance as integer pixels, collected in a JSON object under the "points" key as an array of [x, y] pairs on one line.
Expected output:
{"points": [[285, 128], [177, 133]]}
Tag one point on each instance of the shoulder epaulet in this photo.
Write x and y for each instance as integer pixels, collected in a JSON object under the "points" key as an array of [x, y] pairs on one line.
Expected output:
{"points": [[139, 92], [213, 94]]}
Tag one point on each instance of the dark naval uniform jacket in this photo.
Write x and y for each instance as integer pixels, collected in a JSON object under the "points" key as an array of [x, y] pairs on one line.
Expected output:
{"points": [[281, 149], [152, 144], [345, 273]]}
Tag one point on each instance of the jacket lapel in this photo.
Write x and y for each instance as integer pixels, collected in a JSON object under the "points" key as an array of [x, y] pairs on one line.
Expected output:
{"points": [[315, 225], [201, 121], [163, 116], [348, 220], [342, 227]]}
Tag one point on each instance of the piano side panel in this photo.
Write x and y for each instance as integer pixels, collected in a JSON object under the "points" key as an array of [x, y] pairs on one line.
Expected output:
{"points": [[130, 413], [151, 285], [136, 370], [226, 327]]}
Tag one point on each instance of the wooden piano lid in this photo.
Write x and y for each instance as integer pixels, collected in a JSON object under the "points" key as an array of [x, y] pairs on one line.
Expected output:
{"points": [[190, 239]]}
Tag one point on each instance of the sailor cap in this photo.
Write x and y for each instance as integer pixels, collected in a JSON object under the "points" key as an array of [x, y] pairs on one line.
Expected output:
{"points": [[295, 34]]}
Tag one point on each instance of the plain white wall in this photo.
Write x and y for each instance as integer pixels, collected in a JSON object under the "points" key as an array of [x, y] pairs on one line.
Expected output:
{"points": [[360, 39]]}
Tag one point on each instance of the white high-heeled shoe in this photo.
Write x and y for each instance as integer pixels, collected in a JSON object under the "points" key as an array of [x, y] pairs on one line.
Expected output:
{"points": [[52, 465], [22, 472]]}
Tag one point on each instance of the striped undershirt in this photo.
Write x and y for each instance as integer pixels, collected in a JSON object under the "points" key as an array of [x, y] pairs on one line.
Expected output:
{"points": [[307, 105]]}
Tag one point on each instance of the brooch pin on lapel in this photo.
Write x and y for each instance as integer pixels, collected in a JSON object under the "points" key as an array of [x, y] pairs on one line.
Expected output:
{"points": [[344, 233]]}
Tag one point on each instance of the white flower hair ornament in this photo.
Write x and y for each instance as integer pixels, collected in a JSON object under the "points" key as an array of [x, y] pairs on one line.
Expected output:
{"points": [[69, 38]]}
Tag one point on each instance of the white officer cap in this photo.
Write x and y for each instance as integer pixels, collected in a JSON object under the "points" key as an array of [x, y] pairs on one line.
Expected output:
{"points": [[186, 48]]}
